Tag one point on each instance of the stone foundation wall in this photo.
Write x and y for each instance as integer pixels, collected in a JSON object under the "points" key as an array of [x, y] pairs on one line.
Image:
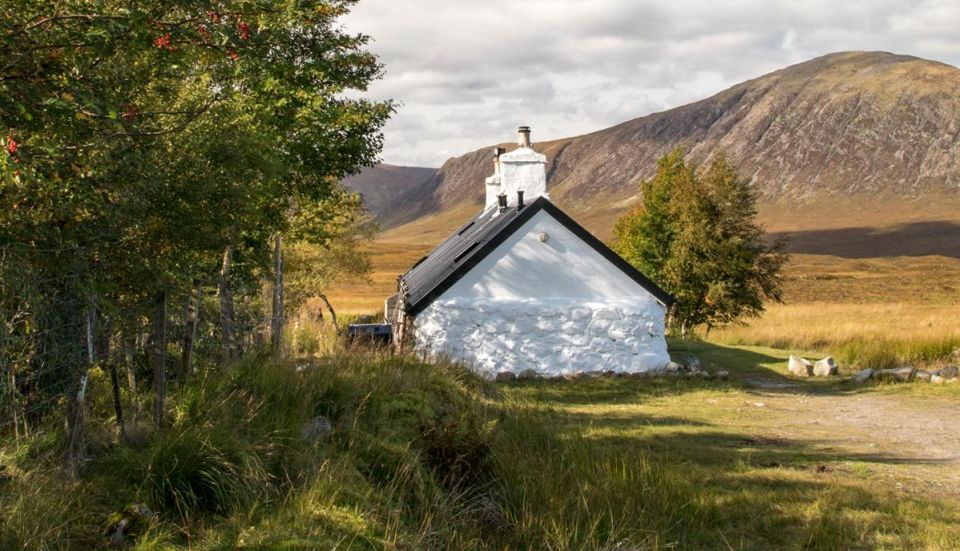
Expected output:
{"points": [[553, 338]]}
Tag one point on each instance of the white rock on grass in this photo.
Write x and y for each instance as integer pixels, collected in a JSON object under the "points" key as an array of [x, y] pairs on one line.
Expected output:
{"points": [[863, 375], [799, 366], [937, 380], [825, 367], [922, 375]]}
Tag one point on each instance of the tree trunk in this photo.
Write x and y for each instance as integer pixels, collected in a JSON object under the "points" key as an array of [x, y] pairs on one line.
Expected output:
{"points": [[276, 325], [117, 403], [159, 352], [129, 349], [333, 315], [190, 331], [102, 351], [226, 306], [76, 448]]}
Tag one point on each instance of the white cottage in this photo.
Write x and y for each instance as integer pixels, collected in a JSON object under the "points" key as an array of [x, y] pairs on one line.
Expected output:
{"points": [[522, 286]]}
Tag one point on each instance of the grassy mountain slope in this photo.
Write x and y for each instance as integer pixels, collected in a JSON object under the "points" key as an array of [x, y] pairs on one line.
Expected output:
{"points": [[853, 138], [385, 187]]}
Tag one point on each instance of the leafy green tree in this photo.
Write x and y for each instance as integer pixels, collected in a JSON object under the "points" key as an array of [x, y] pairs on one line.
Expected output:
{"points": [[696, 236], [147, 142]]}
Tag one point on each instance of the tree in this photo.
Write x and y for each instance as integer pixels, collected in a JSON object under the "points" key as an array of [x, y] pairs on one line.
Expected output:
{"points": [[696, 236], [150, 145]]}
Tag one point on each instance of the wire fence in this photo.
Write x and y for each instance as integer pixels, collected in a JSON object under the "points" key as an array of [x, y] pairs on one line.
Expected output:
{"points": [[59, 330]]}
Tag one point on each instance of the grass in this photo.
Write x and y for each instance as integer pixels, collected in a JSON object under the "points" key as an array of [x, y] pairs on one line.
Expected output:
{"points": [[858, 335], [425, 456]]}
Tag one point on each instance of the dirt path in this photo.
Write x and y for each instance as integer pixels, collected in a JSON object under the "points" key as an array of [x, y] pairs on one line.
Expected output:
{"points": [[914, 441]]}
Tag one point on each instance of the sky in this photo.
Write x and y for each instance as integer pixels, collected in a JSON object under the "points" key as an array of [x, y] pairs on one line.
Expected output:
{"points": [[466, 73]]}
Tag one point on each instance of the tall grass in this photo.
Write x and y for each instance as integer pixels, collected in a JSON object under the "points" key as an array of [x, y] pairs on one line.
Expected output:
{"points": [[858, 335]]}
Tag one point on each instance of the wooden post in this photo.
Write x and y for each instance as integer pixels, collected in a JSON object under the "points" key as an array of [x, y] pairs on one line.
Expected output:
{"points": [[276, 325], [191, 317], [226, 306]]}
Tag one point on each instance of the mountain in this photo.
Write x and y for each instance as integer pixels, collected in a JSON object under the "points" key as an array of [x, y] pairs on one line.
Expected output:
{"points": [[851, 138], [392, 193]]}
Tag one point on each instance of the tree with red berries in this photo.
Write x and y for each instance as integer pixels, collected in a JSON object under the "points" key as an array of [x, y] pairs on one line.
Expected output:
{"points": [[151, 146]]}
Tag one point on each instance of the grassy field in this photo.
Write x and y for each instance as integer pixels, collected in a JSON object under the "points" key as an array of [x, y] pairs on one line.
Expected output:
{"points": [[429, 457]]}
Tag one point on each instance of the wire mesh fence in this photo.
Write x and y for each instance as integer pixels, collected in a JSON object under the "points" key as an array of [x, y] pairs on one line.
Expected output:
{"points": [[59, 330]]}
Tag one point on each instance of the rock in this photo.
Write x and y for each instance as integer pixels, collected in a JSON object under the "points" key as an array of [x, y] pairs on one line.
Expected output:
{"points": [[825, 367], [949, 372], [922, 375], [505, 376], [863, 375], [317, 430], [799, 366], [898, 374], [953, 381], [528, 373], [128, 524], [723, 374], [693, 363], [937, 380], [673, 367]]}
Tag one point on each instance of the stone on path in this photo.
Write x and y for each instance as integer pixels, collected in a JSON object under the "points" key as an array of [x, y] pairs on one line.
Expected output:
{"points": [[899, 374], [799, 366], [863, 375], [949, 372], [825, 367]]}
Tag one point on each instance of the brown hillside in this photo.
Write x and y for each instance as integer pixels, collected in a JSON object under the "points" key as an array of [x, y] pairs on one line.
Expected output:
{"points": [[384, 187], [845, 140]]}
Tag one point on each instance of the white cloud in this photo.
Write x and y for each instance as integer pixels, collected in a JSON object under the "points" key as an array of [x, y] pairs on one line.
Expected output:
{"points": [[467, 73]]}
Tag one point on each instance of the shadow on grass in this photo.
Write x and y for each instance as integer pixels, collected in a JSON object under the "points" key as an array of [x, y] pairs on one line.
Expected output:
{"points": [[737, 490]]}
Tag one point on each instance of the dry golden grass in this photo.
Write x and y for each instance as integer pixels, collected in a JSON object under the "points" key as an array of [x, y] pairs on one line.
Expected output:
{"points": [[814, 325]]}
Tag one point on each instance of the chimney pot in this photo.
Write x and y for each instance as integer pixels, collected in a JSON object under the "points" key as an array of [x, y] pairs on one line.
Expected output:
{"points": [[524, 135], [519, 198], [502, 202]]}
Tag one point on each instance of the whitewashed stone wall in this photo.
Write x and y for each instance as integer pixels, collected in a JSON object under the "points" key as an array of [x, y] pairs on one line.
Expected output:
{"points": [[554, 337]]}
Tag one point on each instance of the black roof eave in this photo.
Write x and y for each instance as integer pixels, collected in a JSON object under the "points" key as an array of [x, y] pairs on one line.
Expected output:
{"points": [[525, 214]]}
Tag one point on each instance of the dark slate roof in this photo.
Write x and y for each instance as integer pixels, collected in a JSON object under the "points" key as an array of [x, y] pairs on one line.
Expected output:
{"points": [[459, 253]]}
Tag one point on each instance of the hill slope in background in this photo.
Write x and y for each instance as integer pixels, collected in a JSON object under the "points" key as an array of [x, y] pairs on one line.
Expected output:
{"points": [[393, 193], [847, 139]]}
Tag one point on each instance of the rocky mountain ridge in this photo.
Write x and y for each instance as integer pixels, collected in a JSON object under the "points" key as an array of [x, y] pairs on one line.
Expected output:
{"points": [[850, 127]]}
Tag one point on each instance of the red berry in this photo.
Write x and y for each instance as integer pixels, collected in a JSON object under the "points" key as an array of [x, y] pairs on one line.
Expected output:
{"points": [[11, 145]]}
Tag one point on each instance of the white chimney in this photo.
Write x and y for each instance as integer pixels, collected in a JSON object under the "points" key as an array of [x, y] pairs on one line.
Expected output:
{"points": [[524, 136], [523, 169], [493, 182]]}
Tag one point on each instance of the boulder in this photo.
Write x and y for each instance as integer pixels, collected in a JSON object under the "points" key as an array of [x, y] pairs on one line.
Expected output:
{"points": [[799, 366], [897, 374], [922, 375], [317, 430], [723, 374], [528, 373], [673, 367], [949, 372], [504, 376], [937, 380], [863, 375], [825, 367]]}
